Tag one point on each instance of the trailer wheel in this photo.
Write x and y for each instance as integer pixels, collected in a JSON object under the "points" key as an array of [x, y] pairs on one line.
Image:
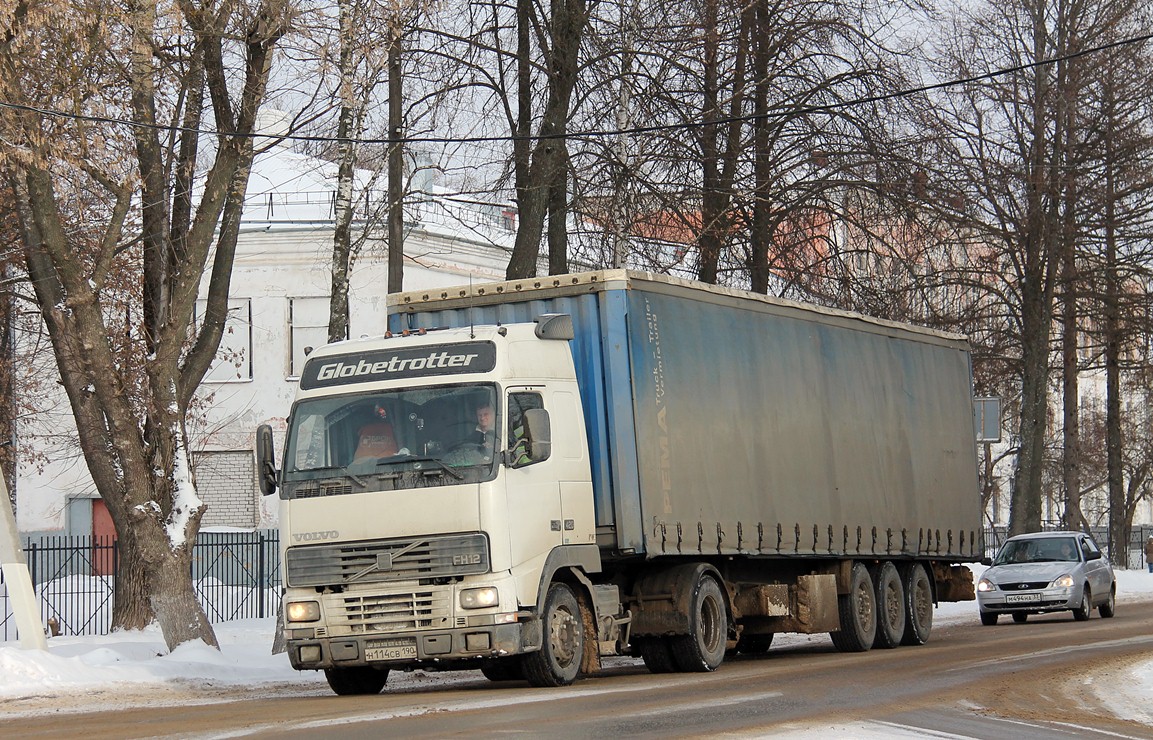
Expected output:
{"points": [[657, 654], [858, 613], [703, 649], [558, 661], [503, 669], [890, 597], [918, 606], [360, 681]]}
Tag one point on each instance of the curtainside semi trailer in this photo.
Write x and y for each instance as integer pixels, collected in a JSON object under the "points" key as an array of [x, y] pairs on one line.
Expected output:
{"points": [[522, 477]]}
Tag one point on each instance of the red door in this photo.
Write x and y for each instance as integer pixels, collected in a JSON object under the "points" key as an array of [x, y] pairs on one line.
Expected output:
{"points": [[104, 539]]}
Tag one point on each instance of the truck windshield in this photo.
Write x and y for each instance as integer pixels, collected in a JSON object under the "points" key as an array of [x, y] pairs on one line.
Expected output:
{"points": [[414, 438]]}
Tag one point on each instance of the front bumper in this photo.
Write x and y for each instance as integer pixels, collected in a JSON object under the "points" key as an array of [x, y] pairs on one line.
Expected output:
{"points": [[439, 648], [1033, 601]]}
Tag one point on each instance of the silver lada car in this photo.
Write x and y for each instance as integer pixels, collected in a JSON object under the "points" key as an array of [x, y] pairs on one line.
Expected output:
{"points": [[1047, 572]]}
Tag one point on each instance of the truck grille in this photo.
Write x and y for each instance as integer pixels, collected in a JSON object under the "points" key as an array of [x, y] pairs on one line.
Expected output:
{"points": [[385, 561], [394, 612]]}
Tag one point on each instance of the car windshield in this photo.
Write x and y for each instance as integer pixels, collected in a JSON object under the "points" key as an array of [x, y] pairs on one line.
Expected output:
{"points": [[1038, 550], [412, 438]]}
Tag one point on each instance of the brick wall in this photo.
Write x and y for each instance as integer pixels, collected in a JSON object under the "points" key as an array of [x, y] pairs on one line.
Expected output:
{"points": [[226, 482]]}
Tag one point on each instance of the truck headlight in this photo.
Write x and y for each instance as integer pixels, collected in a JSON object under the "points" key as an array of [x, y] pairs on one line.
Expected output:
{"points": [[1065, 581], [479, 598], [302, 611], [986, 585]]}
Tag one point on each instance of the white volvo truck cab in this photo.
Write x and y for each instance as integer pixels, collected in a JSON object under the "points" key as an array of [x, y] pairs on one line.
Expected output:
{"points": [[411, 534]]}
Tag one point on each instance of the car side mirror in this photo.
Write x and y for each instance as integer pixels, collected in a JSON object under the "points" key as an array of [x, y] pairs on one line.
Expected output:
{"points": [[986, 561], [1093, 555], [266, 474]]}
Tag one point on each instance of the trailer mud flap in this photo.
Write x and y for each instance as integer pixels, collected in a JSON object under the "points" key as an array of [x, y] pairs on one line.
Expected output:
{"points": [[954, 582]]}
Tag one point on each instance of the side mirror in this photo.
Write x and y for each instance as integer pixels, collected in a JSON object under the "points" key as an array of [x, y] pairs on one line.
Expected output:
{"points": [[986, 561], [266, 475], [537, 444], [1093, 555]]}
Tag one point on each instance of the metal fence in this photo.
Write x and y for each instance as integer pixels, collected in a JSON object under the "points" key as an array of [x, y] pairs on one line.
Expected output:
{"points": [[236, 576], [1135, 551]]}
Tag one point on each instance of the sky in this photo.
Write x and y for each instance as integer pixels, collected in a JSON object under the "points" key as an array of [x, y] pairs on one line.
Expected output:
{"points": [[134, 665]]}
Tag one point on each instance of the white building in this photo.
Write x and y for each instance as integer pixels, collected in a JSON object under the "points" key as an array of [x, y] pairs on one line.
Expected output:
{"points": [[279, 308]]}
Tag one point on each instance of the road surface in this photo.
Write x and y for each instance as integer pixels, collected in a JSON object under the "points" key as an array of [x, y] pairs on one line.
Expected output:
{"points": [[969, 681]]}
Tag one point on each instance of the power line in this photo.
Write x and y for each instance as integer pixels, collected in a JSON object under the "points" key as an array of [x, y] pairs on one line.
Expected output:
{"points": [[596, 133]]}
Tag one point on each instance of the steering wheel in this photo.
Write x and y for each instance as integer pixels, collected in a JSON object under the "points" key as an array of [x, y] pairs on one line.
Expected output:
{"points": [[467, 445]]}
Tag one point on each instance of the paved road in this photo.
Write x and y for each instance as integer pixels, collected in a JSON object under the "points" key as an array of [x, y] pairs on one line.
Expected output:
{"points": [[970, 681]]}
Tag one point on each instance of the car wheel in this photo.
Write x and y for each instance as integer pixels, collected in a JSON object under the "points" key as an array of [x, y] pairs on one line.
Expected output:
{"points": [[1020, 617], [1109, 608], [988, 618], [1082, 612]]}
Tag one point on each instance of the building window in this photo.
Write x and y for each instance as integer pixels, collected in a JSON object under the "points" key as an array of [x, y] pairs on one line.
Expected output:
{"points": [[307, 330], [234, 356]]}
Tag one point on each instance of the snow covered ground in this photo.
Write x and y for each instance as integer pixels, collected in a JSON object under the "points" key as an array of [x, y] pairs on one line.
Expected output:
{"points": [[136, 663]]}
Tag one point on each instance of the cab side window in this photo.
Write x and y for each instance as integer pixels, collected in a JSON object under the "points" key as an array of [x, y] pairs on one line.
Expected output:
{"points": [[518, 433]]}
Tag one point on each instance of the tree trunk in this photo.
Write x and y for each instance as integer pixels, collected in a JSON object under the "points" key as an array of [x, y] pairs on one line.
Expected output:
{"points": [[347, 132], [547, 159], [1036, 291], [396, 185], [558, 219]]}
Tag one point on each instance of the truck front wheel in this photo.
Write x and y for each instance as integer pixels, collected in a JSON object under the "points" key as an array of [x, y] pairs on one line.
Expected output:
{"points": [[558, 661], [359, 681], [858, 612], [703, 648]]}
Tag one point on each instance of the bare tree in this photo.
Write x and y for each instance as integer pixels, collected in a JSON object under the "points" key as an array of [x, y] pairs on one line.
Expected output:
{"points": [[100, 201]]}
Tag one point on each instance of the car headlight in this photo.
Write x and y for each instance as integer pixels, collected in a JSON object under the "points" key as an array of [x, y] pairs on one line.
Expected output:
{"points": [[1065, 581], [479, 598], [302, 611], [986, 585]]}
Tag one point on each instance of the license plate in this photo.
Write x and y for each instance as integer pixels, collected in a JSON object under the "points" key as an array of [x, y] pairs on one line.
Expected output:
{"points": [[390, 650], [1021, 598]]}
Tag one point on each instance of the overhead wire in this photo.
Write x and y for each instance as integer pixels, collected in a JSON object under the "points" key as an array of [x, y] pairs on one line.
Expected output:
{"points": [[779, 111]]}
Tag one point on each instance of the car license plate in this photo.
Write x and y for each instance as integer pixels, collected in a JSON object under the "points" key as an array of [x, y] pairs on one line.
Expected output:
{"points": [[390, 650], [1021, 598]]}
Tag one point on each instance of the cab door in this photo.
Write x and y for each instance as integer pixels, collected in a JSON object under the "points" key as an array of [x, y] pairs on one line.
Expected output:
{"points": [[532, 487]]}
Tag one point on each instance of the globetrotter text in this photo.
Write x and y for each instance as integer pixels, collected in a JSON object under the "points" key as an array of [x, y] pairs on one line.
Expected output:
{"points": [[394, 365]]}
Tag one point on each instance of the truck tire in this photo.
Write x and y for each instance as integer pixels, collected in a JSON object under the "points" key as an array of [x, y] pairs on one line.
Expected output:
{"points": [[503, 669], [890, 598], [360, 681], [657, 654], [558, 661], [918, 605], [755, 644], [703, 649], [858, 613]]}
